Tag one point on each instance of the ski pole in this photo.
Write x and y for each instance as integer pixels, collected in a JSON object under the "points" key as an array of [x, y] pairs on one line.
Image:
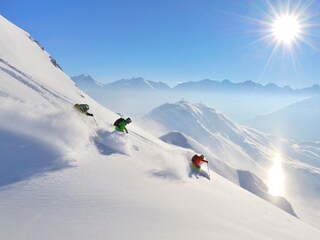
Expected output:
{"points": [[208, 170], [95, 121]]}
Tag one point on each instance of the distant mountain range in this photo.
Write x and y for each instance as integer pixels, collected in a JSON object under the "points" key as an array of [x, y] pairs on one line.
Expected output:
{"points": [[299, 121], [136, 84], [206, 85]]}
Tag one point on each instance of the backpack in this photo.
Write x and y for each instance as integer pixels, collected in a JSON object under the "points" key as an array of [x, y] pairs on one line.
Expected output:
{"points": [[84, 107], [118, 121], [193, 158]]}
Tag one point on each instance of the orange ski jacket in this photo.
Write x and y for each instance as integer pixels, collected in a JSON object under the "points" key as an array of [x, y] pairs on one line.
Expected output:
{"points": [[197, 160]]}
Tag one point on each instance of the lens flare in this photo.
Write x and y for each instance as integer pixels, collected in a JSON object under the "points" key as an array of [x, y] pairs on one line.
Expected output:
{"points": [[276, 177]]}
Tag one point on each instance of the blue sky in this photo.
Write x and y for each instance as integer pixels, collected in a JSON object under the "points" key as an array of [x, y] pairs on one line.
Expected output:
{"points": [[169, 40]]}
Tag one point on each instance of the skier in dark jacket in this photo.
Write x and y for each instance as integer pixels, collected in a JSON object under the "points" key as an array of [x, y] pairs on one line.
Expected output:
{"points": [[121, 123]]}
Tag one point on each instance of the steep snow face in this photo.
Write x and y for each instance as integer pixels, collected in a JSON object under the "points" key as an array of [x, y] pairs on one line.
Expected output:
{"points": [[32, 68], [246, 149], [37, 100], [64, 177], [297, 121]]}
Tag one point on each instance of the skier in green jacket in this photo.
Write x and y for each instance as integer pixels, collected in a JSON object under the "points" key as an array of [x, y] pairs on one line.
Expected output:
{"points": [[121, 123], [83, 108]]}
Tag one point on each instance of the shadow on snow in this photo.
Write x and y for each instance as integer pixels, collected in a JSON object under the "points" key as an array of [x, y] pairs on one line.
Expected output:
{"points": [[23, 157]]}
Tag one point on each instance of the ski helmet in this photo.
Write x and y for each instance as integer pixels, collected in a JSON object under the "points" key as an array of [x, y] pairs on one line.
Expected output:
{"points": [[128, 120]]}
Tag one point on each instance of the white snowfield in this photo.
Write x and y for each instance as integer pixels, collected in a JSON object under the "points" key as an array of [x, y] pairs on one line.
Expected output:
{"points": [[62, 177]]}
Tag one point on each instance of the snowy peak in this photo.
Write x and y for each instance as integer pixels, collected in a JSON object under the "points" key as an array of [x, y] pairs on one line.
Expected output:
{"points": [[208, 127], [137, 84], [86, 82], [133, 84], [196, 118]]}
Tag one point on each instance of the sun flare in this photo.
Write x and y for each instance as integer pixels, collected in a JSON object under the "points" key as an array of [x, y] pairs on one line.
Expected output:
{"points": [[286, 28], [276, 177]]}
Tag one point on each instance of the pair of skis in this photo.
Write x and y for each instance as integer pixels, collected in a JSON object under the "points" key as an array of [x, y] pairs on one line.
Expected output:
{"points": [[202, 173]]}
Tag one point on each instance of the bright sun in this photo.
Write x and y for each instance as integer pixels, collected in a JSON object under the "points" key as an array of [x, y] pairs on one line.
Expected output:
{"points": [[286, 28]]}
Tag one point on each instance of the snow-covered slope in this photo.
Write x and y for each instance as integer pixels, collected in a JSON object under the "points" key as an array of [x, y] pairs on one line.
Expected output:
{"points": [[246, 149], [245, 179], [181, 140], [299, 121], [62, 177]]}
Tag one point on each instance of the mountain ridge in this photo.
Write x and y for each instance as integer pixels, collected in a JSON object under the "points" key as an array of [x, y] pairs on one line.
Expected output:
{"points": [[206, 85]]}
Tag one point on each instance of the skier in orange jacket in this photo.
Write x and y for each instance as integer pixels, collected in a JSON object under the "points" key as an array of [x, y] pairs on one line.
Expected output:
{"points": [[197, 161]]}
